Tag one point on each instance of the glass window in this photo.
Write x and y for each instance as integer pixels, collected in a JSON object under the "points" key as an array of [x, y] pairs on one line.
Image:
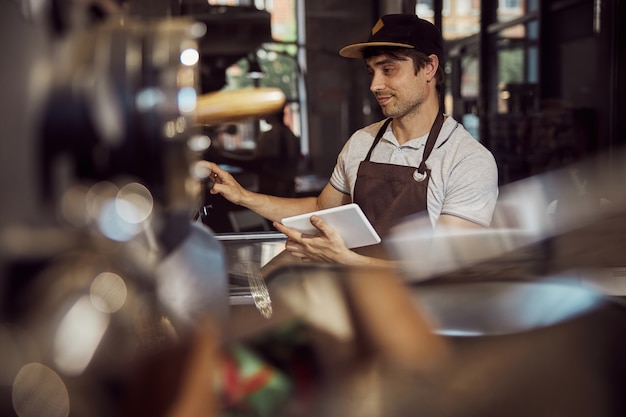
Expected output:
{"points": [[509, 4], [462, 20], [277, 62], [532, 5], [509, 10], [518, 68], [224, 2], [533, 29], [510, 78], [424, 9], [513, 32], [469, 76], [532, 66], [469, 84], [463, 6], [511, 65]]}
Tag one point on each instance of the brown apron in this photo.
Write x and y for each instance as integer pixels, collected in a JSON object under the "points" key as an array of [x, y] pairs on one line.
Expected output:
{"points": [[387, 193]]}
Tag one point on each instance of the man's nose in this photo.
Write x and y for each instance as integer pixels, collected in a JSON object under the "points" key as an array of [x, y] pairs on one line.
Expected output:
{"points": [[376, 84]]}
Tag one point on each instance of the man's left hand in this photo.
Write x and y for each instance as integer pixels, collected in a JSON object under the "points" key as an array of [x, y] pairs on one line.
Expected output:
{"points": [[327, 246]]}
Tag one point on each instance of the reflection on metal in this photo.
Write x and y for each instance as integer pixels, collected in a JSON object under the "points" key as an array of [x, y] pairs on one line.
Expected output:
{"points": [[191, 280], [246, 254], [500, 308], [258, 289]]}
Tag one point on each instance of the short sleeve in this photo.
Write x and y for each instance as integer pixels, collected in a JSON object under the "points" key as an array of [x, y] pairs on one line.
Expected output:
{"points": [[472, 187]]}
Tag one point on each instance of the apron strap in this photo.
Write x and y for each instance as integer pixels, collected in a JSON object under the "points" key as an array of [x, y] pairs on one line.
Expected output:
{"points": [[379, 135], [430, 142]]}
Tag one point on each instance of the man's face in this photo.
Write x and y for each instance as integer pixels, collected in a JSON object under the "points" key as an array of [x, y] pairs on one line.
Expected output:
{"points": [[397, 88]]}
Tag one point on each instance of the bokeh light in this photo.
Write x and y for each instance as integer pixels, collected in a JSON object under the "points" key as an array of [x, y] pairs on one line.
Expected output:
{"points": [[39, 391], [78, 336], [108, 292], [189, 57]]}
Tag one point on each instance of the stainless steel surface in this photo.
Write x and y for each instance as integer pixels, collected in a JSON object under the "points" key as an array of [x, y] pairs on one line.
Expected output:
{"points": [[500, 308], [246, 255], [242, 249], [192, 280], [518, 348]]}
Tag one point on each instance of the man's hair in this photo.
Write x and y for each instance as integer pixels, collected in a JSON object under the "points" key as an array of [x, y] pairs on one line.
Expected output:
{"points": [[420, 60]]}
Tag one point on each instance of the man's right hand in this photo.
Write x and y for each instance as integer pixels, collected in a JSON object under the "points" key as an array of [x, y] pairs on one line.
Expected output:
{"points": [[224, 183]]}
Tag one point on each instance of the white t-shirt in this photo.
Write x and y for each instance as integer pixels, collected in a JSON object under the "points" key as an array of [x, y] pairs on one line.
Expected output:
{"points": [[464, 175]]}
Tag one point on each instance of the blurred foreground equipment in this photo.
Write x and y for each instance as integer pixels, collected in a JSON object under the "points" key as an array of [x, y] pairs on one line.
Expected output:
{"points": [[104, 277], [230, 105], [498, 347]]}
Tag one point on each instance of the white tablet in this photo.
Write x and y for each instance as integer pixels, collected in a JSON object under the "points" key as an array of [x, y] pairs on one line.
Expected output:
{"points": [[348, 220]]}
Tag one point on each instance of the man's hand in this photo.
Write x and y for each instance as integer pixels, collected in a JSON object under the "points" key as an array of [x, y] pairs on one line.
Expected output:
{"points": [[224, 183], [326, 247]]}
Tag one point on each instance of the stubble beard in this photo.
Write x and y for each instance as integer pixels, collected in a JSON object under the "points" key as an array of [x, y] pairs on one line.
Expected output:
{"points": [[401, 110]]}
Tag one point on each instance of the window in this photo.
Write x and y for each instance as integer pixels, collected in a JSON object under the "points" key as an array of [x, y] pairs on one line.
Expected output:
{"points": [[462, 20], [463, 7], [278, 63], [509, 10], [424, 9], [509, 4]]}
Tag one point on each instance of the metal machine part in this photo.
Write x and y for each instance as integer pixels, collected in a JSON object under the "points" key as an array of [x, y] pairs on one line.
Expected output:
{"points": [[515, 347], [233, 32], [112, 272], [121, 104]]}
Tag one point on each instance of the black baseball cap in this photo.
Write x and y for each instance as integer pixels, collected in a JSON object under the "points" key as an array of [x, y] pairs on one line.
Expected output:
{"points": [[403, 31]]}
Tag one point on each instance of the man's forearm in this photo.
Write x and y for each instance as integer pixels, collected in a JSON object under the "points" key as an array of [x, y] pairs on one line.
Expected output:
{"points": [[276, 208]]}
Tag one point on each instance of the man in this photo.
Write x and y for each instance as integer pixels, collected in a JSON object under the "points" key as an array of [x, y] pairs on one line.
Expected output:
{"points": [[415, 160]]}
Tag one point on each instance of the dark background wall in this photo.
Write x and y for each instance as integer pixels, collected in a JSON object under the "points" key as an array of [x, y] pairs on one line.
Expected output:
{"points": [[338, 88]]}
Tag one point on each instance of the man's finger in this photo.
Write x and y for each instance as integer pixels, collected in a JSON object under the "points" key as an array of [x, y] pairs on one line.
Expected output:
{"points": [[292, 234], [325, 230]]}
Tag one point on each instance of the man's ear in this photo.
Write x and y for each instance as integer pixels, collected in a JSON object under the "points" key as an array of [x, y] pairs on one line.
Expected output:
{"points": [[431, 67]]}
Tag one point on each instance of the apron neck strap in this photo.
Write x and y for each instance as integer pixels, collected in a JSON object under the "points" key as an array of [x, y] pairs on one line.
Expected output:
{"points": [[430, 142], [379, 135]]}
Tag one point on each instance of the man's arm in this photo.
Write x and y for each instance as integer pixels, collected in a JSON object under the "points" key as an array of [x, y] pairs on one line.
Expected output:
{"points": [[449, 222], [326, 247], [270, 207]]}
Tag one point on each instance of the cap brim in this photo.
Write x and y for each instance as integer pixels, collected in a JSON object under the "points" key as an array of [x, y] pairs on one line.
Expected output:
{"points": [[356, 50]]}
